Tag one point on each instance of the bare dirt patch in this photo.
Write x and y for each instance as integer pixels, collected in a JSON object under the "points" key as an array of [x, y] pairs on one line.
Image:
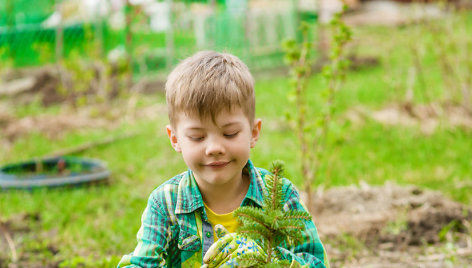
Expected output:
{"points": [[394, 226], [428, 117], [55, 126], [394, 13], [44, 83]]}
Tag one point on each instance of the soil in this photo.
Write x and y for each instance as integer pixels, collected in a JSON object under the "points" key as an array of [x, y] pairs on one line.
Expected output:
{"points": [[393, 13], [427, 116], [395, 226], [44, 83], [55, 126]]}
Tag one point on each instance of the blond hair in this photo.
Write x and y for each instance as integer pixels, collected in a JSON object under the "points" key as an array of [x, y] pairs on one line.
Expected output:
{"points": [[208, 82]]}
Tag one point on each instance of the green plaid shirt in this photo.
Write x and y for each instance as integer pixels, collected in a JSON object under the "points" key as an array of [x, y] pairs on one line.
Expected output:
{"points": [[175, 231]]}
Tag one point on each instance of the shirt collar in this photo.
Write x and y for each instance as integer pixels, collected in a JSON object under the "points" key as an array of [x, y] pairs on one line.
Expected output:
{"points": [[190, 199], [256, 185]]}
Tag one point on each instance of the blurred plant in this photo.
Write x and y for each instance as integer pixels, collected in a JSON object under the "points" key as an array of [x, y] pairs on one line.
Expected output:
{"points": [[449, 232], [350, 247], [270, 225], [452, 46], [140, 57], [6, 61], [89, 77], [449, 252], [398, 225], [417, 72], [45, 52], [312, 135]]}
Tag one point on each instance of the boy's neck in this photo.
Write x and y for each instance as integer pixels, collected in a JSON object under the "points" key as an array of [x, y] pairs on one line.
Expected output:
{"points": [[223, 199]]}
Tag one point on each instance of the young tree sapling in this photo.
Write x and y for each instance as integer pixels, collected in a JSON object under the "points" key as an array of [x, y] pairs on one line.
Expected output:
{"points": [[270, 225]]}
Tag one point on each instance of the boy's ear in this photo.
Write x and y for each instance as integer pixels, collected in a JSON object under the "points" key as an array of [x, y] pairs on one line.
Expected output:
{"points": [[173, 138], [256, 130]]}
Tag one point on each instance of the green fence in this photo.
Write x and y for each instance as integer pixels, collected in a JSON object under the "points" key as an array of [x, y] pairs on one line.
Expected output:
{"points": [[254, 34], [26, 41]]}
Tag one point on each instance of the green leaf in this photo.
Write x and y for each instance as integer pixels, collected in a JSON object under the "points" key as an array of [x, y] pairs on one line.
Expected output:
{"points": [[288, 116]]}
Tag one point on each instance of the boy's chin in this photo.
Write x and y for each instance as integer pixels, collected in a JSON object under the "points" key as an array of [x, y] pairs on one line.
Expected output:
{"points": [[217, 179]]}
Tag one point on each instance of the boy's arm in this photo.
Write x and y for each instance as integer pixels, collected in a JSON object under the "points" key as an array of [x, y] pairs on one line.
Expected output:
{"points": [[310, 250], [153, 237]]}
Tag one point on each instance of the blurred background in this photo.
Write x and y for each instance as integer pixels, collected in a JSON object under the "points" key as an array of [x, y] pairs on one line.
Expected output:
{"points": [[83, 80]]}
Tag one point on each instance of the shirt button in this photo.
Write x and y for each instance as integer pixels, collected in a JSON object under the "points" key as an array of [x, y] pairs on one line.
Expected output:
{"points": [[208, 234]]}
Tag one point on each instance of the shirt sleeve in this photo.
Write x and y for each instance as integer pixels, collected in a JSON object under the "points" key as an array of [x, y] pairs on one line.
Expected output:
{"points": [[153, 237], [310, 251]]}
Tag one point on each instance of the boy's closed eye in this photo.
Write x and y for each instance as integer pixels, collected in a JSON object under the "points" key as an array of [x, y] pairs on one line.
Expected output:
{"points": [[199, 137], [231, 134], [195, 137]]}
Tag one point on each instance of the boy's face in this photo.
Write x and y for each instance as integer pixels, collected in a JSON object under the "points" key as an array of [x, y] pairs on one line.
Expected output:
{"points": [[217, 151]]}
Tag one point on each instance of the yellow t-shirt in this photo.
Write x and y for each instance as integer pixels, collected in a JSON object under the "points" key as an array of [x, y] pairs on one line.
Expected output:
{"points": [[227, 220]]}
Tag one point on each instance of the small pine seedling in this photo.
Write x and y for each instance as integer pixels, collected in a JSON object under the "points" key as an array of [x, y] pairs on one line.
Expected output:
{"points": [[270, 225]]}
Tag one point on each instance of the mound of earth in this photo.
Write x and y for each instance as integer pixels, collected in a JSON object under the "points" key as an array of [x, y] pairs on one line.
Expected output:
{"points": [[397, 225]]}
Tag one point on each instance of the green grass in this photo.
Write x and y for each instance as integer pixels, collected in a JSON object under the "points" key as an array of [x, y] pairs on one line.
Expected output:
{"points": [[96, 225]]}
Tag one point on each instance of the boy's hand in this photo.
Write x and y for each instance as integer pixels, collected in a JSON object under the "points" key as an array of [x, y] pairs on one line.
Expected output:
{"points": [[223, 253]]}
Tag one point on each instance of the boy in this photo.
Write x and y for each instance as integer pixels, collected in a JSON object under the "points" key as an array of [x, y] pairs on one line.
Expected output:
{"points": [[211, 103]]}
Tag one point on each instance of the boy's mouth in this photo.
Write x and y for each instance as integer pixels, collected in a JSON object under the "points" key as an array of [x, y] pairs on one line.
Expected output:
{"points": [[217, 164]]}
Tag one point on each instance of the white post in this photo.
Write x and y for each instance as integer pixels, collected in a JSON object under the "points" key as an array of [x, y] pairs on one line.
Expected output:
{"points": [[59, 34]]}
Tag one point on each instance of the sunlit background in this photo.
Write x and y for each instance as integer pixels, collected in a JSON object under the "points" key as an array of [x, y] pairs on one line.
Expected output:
{"points": [[82, 84]]}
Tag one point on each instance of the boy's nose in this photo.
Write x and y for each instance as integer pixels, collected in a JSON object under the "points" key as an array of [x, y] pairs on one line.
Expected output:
{"points": [[214, 148]]}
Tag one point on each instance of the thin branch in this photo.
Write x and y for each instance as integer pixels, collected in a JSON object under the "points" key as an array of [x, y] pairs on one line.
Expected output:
{"points": [[88, 145], [301, 217], [291, 227], [10, 242], [274, 190]]}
